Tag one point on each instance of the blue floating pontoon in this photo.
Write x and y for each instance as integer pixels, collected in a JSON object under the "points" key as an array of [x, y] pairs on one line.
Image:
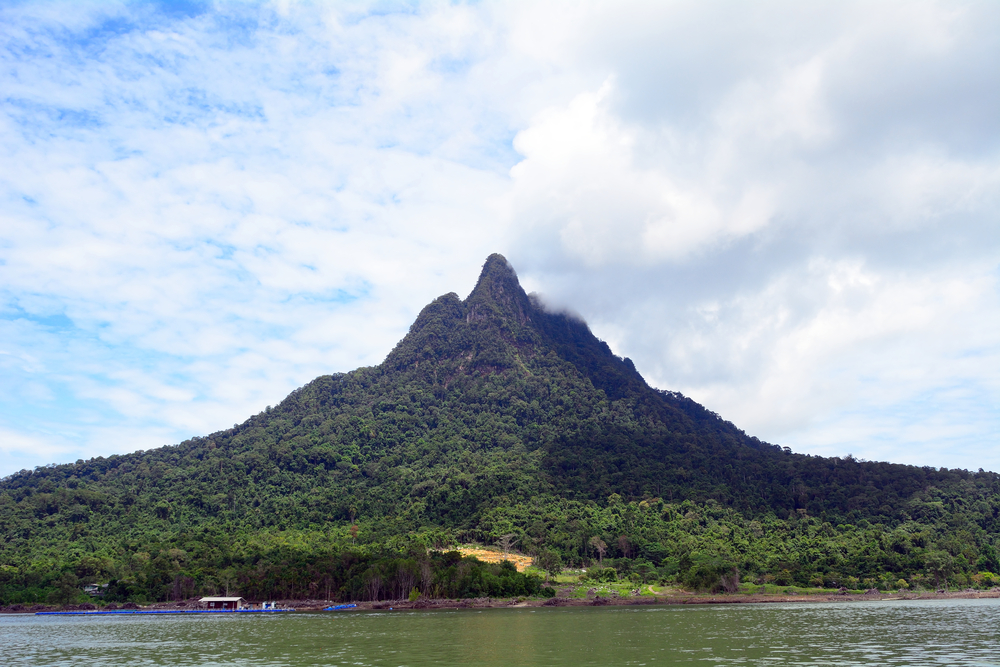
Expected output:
{"points": [[340, 606], [141, 612]]}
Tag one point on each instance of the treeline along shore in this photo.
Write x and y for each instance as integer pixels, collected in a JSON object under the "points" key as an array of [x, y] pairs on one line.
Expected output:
{"points": [[493, 421], [700, 548]]}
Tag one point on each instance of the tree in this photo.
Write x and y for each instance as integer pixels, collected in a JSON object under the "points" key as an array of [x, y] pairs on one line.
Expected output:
{"points": [[642, 570], [228, 579], [988, 559], [67, 589], [551, 562], [601, 547], [939, 563], [625, 546], [506, 542]]}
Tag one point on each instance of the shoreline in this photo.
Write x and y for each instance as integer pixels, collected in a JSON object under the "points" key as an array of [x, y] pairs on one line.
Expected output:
{"points": [[595, 601], [643, 600]]}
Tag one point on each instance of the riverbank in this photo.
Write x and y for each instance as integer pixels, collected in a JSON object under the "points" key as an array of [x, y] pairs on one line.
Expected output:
{"points": [[558, 601], [672, 599]]}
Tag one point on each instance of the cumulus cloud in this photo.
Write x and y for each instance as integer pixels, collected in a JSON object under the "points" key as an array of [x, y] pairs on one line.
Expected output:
{"points": [[786, 211], [796, 226]]}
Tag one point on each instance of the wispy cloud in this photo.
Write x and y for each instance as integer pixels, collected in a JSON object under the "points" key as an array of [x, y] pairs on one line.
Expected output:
{"points": [[788, 212]]}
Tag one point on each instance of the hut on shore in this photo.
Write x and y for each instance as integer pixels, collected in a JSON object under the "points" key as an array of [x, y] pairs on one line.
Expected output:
{"points": [[223, 604]]}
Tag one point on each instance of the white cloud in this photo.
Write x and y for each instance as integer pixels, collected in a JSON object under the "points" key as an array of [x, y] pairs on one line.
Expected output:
{"points": [[787, 211], [782, 219]]}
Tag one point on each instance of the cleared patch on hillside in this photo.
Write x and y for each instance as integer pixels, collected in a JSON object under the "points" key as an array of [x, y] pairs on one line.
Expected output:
{"points": [[521, 562]]}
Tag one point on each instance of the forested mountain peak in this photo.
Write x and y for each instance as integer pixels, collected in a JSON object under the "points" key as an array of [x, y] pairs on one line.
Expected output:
{"points": [[492, 416], [484, 331], [499, 328], [498, 294]]}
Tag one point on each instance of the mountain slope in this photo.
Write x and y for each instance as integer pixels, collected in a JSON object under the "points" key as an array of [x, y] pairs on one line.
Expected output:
{"points": [[492, 415], [494, 399]]}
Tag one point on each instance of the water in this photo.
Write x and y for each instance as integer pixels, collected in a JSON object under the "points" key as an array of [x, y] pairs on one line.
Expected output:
{"points": [[951, 632]]}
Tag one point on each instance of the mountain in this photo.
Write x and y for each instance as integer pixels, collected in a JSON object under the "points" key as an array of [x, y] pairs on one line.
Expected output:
{"points": [[492, 416]]}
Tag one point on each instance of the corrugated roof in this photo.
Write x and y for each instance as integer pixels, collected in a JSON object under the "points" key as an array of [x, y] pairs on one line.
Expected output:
{"points": [[220, 599]]}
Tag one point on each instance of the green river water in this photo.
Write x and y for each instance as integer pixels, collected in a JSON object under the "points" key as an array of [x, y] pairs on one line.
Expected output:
{"points": [[952, 632]]}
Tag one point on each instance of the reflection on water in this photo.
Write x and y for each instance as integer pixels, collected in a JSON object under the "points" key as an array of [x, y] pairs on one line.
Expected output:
{"points": [[953, 632]]}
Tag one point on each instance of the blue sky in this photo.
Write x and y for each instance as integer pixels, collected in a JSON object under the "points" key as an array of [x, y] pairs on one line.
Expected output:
{"points": [[788, 211]]}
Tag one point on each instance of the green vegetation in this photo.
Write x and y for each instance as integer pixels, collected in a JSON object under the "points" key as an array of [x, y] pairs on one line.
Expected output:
{"points": [[492, 417]]}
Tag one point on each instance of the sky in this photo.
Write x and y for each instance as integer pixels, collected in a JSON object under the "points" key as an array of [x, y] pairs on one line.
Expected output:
{"points": [[788, 211]]}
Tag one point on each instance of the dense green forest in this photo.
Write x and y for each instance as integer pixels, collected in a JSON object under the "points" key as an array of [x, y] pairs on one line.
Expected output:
{"points": [[491, 417]]}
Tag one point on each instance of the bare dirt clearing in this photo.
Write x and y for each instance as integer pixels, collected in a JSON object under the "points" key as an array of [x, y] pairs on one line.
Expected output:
{"points": [[495, 556]]}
